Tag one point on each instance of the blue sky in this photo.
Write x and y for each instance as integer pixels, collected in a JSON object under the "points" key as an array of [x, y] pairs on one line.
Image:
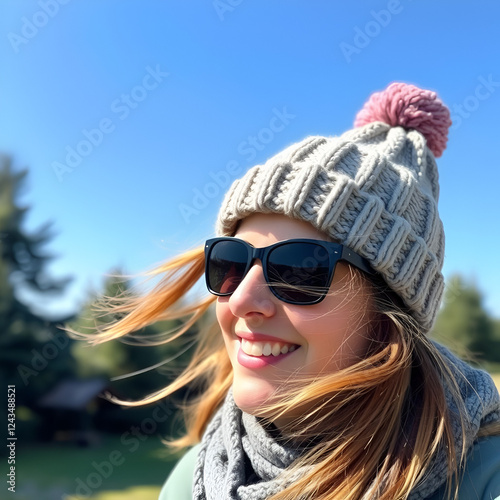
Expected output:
{"points": [[134, 116]]}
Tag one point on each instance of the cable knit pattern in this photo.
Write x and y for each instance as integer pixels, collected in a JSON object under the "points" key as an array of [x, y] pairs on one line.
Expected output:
{"points": [[239, 460], [375, 189]]}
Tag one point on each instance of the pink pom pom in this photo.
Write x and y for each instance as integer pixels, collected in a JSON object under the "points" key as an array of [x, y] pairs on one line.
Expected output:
{"points": [[412, 108]]}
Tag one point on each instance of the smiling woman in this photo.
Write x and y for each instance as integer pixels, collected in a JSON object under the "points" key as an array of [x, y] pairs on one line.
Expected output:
{"points": [[322, 338], [318, 379]]}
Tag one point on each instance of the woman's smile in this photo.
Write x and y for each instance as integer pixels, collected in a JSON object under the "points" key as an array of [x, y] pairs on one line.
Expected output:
{"points": [[269, 340], [265, 349], [258, 344]]}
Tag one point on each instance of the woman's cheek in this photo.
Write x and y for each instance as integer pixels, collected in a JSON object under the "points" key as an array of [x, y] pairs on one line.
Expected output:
{"points": [[223, 314]]}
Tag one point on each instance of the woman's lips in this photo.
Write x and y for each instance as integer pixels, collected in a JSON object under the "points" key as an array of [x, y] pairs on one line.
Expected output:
{"points": [[260, 337]]}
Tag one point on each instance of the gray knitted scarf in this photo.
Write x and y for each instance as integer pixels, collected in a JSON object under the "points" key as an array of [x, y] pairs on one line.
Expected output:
{"points": [[240, 460]]}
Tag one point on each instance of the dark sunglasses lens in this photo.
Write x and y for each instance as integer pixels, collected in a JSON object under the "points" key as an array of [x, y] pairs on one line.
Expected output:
{"points": [[226, 266], [299, 272]]}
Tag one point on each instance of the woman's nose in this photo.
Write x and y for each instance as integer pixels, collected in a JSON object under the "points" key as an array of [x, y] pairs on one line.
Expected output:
{"points": [[253, 296]]}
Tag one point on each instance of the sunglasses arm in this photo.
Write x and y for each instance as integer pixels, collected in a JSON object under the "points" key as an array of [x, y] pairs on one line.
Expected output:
{"points": [[356, 260]]}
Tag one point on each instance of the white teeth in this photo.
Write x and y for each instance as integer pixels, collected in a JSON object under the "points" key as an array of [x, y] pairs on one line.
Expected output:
{"points": [[265, 348], [276, 349], [244, 346], [256, 348]]}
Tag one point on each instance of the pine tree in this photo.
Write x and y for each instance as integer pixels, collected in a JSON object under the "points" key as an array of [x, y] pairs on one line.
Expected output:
{"points": [[33, 351], [130, 354], [463, 321], [134, 368]]}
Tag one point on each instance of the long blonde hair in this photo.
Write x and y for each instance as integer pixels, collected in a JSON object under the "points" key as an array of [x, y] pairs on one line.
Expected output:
{"points": [[376, 425]]}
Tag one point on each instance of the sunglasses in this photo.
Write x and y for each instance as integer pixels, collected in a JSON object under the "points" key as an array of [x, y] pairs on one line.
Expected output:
{"points": [[298, 271]]}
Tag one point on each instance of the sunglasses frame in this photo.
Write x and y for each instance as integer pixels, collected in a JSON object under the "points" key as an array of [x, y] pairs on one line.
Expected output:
{"points": [[336, 252]]}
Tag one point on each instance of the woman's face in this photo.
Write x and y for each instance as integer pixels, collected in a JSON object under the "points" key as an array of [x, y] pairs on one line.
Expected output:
{"points": [[320, 338]]}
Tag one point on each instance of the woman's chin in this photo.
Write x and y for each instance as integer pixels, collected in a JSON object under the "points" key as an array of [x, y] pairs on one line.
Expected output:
{"points": [[253, 395]]}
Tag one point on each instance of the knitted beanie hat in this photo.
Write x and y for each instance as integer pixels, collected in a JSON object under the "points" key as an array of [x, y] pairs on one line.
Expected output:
{"points": [[374, 189]]}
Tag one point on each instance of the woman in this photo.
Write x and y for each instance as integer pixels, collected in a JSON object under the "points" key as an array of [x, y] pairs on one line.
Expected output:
{"points": [[318, 380]]}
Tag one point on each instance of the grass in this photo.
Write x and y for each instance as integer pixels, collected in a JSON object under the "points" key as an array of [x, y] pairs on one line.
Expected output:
{"points": [[134, 493], [116, 469]]}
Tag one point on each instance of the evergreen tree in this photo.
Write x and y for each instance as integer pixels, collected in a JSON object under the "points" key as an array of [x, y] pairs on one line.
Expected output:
{"points": [[463, 321], [130, 354], [22, 252], [33, 351], [134, 368]]}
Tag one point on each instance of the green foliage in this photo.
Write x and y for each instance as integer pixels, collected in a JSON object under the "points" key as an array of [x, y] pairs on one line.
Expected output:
{"points": [[131, 354], [34, 353], [22, 253], [134, 368], [464, 323]]}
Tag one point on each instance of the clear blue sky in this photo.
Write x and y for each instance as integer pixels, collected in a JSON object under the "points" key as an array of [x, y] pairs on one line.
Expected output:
{"points": [[180, 88]]}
